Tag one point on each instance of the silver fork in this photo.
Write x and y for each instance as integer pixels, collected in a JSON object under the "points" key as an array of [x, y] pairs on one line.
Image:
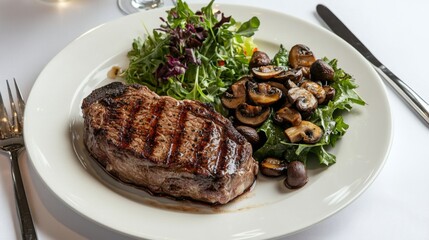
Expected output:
{"points": [[11, 141]]}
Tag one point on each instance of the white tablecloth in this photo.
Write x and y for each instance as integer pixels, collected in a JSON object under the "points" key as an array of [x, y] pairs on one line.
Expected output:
{"points": [[395, 206]]}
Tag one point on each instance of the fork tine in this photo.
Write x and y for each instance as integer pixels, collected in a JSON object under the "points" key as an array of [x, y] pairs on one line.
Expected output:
{"points": [[4, 120], [21, 103], [16, 126]]}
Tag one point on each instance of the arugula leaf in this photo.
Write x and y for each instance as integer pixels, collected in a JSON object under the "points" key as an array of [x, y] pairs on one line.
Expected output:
{"points": [[281, 58], [273, 146]]}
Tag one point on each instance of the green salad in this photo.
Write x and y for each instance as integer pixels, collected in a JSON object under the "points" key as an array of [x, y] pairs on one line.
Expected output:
{"points": [[193, 55], [200, 55]]}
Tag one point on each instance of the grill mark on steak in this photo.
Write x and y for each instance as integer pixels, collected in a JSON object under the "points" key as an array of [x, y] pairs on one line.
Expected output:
{"points": [[206, 111], [128, 130], [204, 135], [177, 137], [228, 165], [156, 112], [186, 148], [217, 166], [167, 127]]}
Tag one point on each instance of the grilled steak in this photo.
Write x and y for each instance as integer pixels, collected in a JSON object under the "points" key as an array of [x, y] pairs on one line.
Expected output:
{"points": [[177, 148]]}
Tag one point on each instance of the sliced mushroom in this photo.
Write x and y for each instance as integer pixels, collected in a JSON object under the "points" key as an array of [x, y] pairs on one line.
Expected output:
{"points": [[330, 93], [236, 94], [258, 59], [321, 71], [252, 115], [272, 167], [295, 75], [306, 132], [301, 56], [280, 86], [263, 94], [250, 134], [305, 71], [303, 99], [266, 72], [288, 115], [317, 90], [290, 84]]}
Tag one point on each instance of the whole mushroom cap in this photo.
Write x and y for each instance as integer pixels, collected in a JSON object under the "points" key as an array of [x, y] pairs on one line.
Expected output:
{"points": [[296, 175], [258, 59], [321, 71]]}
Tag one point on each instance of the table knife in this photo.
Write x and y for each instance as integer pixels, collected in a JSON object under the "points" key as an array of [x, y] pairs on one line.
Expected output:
{"points": [[409, 95]]}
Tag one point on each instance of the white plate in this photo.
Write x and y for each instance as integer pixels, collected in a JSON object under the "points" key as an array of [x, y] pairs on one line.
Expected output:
{"points": [[53, 117]]}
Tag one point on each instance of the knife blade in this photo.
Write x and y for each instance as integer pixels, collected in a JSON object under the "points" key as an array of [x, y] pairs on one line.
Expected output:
{"points": [[408, 94]]}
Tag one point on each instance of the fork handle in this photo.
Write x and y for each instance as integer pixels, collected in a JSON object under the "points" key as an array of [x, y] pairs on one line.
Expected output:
{"points": [[27, 227]]}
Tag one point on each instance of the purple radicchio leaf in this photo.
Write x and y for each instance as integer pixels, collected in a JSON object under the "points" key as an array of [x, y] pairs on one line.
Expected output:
{"points": [[172, 68], [222, 21], [190, 57]]}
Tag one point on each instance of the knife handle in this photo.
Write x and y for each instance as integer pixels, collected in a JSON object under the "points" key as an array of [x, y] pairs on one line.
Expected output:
{"points": [[412, 98]]}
